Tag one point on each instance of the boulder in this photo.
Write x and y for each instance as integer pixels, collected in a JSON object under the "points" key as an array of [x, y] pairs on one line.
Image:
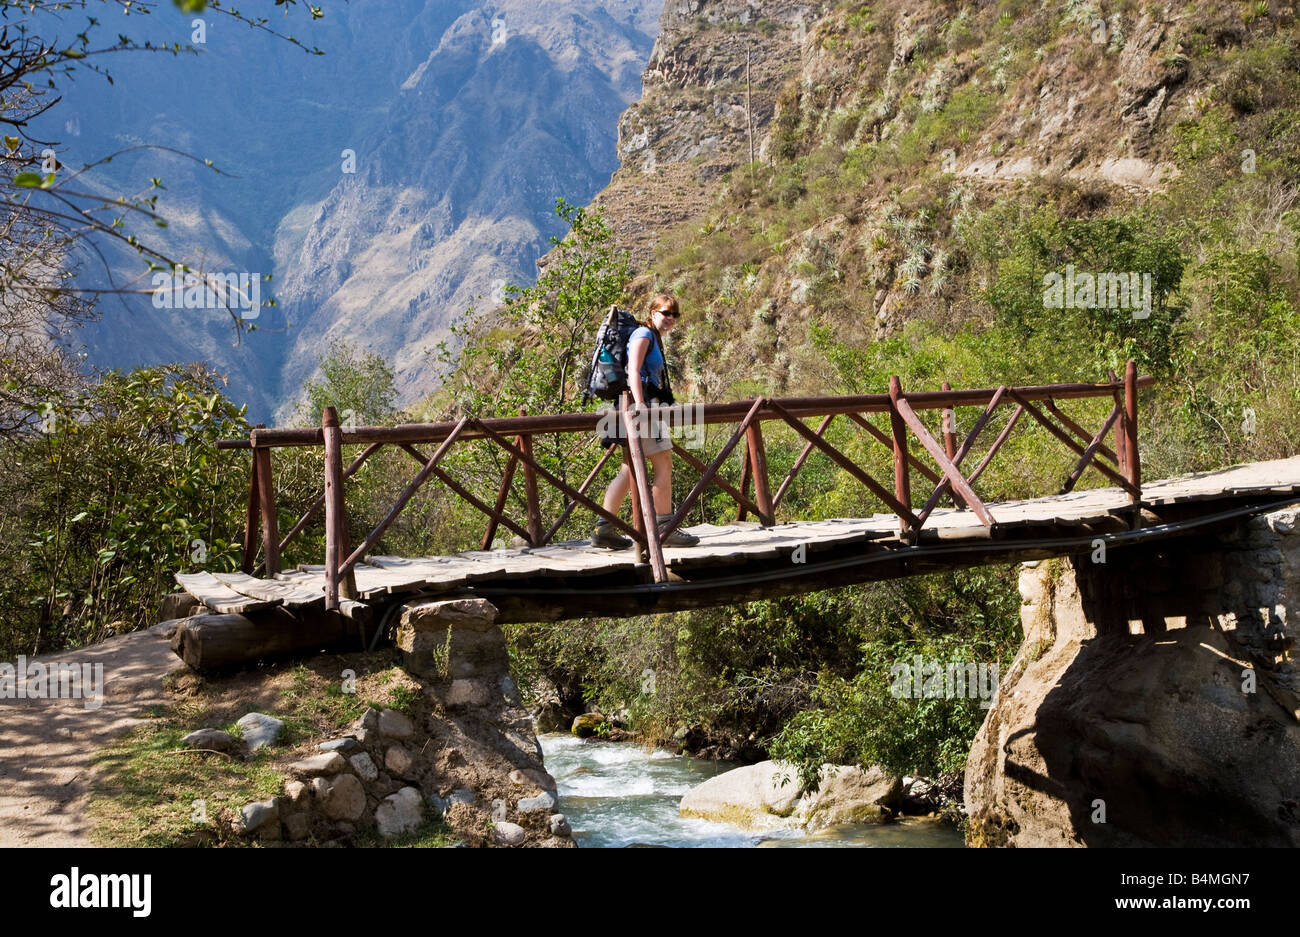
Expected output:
{"points": [[398, 761], [509, 834], [551, 716], [1103, 737], [213, 739], [259, 730], [449, 639], [587, 725], [395, 725], [297, 826], [559, 825], [469, 693], [253, 817], [343, 798], [338, 745], [758, 795], [533, 777], [543, 801], [179, 605], [296, 791], [364, 766], [400, 813], [320, 765], [850, 794]]}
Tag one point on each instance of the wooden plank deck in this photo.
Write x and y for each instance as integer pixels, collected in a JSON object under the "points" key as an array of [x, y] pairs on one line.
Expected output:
{"points": [[732, 545]]}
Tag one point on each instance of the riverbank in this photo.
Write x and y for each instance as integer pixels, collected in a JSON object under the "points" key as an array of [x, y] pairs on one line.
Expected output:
{"points": [[620, 795]]}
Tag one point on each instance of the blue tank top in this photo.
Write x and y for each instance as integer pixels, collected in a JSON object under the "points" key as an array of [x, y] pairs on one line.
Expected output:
{"points": [[652, 369]]}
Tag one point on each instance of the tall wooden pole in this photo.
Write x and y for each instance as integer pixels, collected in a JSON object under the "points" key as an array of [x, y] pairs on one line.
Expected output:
{"points": [[950, 443], [1134, 473], [1121, 433], [336, 516], [641, 490], [266, 497], [902, 484], [250, 522], [535, 535], [757, 454]]}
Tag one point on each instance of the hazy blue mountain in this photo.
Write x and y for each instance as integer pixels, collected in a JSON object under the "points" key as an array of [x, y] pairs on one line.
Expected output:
{"points": [[385, 184]]}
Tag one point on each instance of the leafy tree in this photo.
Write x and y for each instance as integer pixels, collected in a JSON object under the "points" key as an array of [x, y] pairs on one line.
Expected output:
{"points": [[359, 386], [121, 488], [532, 353]]}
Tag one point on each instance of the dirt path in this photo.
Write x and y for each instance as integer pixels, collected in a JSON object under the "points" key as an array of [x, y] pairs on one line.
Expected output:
{"points": [[46, 746]]}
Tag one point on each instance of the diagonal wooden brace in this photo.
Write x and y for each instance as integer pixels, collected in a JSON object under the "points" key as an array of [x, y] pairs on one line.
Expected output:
{"points": [[953, 474], [903, 511], [1092, 450], [713, 468]]}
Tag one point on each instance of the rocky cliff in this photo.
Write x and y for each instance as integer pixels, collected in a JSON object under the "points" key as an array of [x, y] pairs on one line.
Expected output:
{"points": [[881, 130], [709, 92], [1155, 701]]}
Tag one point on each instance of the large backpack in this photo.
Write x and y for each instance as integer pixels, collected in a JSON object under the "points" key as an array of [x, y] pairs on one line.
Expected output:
{"points": [[607, 378]]}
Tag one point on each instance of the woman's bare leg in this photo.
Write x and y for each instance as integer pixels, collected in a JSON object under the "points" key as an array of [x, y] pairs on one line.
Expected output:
{"points": [[617, 491], [662, 487]]}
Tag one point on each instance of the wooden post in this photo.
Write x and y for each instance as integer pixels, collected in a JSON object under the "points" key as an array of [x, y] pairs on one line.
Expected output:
{"points": [[757, 455], [641, 489], [902, 484], [638, 523], [336, 516], [950, 443], [741, 512], [1134, 468], [1121, 431], [250, 523], [535, 535], [266, 497]]}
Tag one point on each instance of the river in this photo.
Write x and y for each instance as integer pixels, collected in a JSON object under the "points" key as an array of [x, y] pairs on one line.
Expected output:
{"points": [[618, 794]]}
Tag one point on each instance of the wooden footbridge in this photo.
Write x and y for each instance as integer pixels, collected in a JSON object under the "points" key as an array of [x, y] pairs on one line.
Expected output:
{"points": [[545, 579]]}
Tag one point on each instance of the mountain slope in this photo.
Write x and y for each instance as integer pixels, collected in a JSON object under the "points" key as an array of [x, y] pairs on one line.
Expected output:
{"points": [[385, 185]]}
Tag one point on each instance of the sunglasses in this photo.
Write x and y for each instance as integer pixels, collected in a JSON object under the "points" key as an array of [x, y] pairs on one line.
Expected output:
{"points": [[670, 315]]}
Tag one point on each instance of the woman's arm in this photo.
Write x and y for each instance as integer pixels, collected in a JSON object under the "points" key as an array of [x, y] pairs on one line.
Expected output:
{"points": [[637, 350]]}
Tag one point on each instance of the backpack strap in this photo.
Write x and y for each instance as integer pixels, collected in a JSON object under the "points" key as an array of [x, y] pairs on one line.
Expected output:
{"points": [[666, 391]]}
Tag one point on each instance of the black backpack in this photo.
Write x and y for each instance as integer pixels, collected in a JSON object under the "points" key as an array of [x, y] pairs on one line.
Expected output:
{"points": [[607, 377]]}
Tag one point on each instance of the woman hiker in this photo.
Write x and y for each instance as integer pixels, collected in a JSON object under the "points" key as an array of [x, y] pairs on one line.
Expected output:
{"points": [[649, 386]]}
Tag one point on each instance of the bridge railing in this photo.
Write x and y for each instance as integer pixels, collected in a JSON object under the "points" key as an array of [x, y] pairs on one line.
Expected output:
{"points": [[754, 494]]}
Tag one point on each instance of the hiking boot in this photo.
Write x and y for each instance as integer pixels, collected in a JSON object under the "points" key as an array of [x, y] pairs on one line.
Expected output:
{"points": [[679, 537], [607, 538]]}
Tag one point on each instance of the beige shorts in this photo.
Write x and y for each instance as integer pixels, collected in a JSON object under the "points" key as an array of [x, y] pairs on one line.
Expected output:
{"points": [[653, 435]]}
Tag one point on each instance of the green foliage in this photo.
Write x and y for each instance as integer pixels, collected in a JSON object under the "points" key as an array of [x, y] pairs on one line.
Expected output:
{"points": [[962, 617], [1024, 247], [122, 489], [359, 386]]}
